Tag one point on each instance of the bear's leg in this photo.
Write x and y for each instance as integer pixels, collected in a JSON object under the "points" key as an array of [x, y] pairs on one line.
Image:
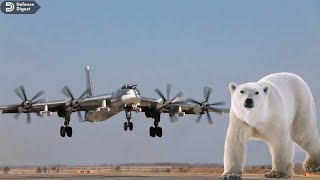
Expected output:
{"points": [[312, 146], [281, 149], [305, 134], [235, 149]]}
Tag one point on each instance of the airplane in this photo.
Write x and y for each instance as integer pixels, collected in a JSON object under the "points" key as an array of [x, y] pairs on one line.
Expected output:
{"points": [[102, 107]]}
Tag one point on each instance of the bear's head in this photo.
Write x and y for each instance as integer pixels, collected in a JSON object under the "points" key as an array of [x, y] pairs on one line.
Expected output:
{"points": [[248, 98]]}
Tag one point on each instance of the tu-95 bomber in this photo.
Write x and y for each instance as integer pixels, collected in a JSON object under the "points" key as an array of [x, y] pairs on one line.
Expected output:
{"points": [[102, 107]]}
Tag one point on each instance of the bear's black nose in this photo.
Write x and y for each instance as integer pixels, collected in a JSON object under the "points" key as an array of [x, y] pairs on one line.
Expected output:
{"points": [[248, 103]]}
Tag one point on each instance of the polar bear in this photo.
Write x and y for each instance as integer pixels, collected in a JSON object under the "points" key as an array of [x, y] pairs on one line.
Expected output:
{"points": [[278, 109]]}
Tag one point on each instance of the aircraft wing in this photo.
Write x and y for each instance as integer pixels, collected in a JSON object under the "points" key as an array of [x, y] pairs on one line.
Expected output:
{"points": [[9, 108], [53, 106], [90, 103], [149, 104]]}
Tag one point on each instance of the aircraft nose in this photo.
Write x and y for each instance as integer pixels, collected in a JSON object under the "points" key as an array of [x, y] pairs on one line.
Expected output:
{"points": [[248, 103]]}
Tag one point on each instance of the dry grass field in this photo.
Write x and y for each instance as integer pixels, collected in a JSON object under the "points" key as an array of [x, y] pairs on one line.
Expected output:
{"points": [[150, 172]]}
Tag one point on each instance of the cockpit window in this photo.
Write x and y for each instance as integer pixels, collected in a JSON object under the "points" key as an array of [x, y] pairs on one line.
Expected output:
{"points": [[129, 86]]}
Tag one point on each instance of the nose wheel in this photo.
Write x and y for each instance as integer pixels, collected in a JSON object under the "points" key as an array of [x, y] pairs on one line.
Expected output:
{"points": [[128, 125]]}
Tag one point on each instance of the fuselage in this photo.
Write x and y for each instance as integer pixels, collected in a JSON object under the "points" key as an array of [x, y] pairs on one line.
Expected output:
{"points": [[127, 95]]}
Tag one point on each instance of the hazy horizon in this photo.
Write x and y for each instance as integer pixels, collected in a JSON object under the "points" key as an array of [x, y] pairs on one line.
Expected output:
{"points": [[150, 43]]}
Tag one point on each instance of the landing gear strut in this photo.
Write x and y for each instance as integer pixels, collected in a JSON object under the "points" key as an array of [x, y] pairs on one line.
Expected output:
{"points": [[156, 130], [128, 124], [66, 129]]}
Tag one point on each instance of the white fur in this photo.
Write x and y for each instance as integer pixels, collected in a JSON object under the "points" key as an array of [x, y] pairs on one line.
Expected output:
{"points": [[284, 112]]}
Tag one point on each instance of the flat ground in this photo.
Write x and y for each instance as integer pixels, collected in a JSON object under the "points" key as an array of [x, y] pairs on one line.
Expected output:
{"points": [[131, 177], [134, 173]]}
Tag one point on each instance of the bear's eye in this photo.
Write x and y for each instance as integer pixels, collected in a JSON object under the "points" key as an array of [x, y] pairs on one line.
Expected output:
{"points": [[241, 92], [257, 93]]}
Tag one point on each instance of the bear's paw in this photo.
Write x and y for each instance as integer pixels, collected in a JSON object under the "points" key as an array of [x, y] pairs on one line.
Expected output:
{"points": [[231, 177], [310, 166], [275, 174]]}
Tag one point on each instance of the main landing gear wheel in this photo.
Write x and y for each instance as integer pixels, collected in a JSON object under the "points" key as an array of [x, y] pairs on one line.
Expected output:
{"points": [[65, 130], [69, 131], [152, 131], [125, 126], [155, 131], [130, 126], [62, 131]]}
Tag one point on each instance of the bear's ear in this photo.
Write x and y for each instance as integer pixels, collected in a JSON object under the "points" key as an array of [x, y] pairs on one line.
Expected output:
{"points": [[232, 87], [266, 89]]}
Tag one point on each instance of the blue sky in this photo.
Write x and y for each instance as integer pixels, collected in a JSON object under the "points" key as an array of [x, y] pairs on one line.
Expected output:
{"points": [[187, 43]]}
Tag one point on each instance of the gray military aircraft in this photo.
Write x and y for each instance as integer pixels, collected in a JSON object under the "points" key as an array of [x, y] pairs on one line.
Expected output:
{"points": [[103, 107]]}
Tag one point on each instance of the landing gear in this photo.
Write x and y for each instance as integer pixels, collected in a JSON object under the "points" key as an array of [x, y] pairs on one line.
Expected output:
{"points": [[156, 130], [128, 124], [66, 129]]}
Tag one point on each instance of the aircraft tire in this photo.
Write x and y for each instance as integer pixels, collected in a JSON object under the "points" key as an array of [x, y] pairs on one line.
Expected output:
{"points": [[69, 131], [130, 126], [62, 131], [152, 131], [159, 131], [125, 126]]}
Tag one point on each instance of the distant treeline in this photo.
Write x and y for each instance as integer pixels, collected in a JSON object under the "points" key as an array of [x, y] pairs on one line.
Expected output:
{"points": [[167, 164]]}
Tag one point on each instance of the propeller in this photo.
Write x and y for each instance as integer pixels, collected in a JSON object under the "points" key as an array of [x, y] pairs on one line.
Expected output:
{"points": [[167, 102], [73, 104], [206, 106], [26, 105]]}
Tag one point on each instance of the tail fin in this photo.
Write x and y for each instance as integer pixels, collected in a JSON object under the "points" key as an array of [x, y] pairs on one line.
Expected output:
{"points": [[89, 83]]}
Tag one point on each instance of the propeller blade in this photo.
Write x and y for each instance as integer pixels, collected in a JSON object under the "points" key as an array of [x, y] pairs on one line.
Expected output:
{"points": [[177, 96], [83, 94], [16, 116], [18, 93], [209, 117], [23, 91], [80, 116], [160, 94], [208, 93], [205, 90], [168, 91], [217, 110], [199, 118], [42, 100], [194, 101], [217, 103], [28, 118], [40, 93], [67, 92]]}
